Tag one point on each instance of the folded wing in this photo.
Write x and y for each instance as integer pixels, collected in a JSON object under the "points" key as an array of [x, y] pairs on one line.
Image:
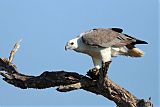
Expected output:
{"points": [[112, 37]]}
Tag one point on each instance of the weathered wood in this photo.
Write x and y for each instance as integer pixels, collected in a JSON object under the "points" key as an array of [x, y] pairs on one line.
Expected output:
{"points": [[68, 81]]}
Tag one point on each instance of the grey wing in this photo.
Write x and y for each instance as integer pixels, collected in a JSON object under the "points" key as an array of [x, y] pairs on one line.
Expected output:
{"points": [[106, 38]]}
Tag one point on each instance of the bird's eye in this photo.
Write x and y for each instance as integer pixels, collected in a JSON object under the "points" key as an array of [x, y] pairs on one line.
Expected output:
{"points": [[71, 43]]}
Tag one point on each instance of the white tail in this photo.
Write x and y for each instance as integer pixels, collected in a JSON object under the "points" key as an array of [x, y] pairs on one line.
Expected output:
{"points": [[135, 52]]}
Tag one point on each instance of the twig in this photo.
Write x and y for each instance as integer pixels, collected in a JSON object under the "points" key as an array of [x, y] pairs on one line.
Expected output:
{"points": [[14, 50]]}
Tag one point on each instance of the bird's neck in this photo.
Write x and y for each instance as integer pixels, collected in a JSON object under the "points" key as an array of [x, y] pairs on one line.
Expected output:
{"points": [[81, 46]]}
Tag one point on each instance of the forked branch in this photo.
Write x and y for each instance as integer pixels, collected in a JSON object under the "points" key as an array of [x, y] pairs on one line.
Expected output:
{"points": [[68, 81]]}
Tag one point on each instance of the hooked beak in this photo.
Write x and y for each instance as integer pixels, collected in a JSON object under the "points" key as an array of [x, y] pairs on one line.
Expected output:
{"points": [[66, 47]]}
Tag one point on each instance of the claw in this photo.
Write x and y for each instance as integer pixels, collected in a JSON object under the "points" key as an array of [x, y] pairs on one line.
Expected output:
{"points": [[93, 73]]}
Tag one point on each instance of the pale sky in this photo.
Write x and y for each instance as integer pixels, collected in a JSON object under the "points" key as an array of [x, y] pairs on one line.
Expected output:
{"points": [[46, 25]]}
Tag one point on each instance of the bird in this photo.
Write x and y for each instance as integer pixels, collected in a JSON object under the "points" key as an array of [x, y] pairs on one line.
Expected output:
{"points": [[102, 44]]}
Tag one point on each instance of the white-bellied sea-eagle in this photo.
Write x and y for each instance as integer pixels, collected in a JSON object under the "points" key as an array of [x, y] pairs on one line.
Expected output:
{"points": [[104, 43]]}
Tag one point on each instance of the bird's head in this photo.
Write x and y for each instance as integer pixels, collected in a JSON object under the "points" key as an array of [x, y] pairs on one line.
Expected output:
{"points": [[72, 44]]}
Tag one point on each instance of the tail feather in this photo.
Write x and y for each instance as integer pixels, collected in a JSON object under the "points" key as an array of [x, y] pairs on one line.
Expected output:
{"points": [[135, 52]]}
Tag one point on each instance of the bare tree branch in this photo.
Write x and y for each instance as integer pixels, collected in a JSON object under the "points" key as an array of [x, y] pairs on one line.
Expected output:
{"points": [[68, 81]]}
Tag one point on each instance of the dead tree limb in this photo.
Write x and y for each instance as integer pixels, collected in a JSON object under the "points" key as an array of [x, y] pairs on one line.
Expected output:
{"points": [[68, 81]]}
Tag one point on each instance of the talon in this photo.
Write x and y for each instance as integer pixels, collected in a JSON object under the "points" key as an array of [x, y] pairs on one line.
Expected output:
{"points": [[93, 73]]}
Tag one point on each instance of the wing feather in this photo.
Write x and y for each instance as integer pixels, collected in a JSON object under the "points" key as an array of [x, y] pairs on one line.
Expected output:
{"points": [[106, 38], [119, 30]]}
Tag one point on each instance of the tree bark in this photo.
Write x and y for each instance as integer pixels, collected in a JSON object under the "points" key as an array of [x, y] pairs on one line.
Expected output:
{"points": [[68, 81]]}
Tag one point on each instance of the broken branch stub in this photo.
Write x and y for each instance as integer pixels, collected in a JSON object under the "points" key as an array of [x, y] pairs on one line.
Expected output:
{"points": [[14, 50]]}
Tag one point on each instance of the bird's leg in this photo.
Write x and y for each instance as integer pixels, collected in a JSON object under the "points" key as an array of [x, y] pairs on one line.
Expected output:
{"points": [[103, 73], [105, 67], [106, 57], [94, 73]]}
